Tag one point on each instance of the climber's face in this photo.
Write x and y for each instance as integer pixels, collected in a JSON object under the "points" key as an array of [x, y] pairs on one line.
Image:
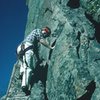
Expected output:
{"points": [[45, 33]]}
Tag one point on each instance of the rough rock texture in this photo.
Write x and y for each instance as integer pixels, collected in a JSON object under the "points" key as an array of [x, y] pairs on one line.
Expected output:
{"points": [[92, 7], [73, 72]]}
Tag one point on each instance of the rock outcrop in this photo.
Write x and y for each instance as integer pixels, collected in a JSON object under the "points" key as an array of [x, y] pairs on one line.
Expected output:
{"points": [[73, 70]]}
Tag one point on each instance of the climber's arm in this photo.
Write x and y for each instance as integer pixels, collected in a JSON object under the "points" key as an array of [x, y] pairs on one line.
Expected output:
{"points": [[46, 44]]}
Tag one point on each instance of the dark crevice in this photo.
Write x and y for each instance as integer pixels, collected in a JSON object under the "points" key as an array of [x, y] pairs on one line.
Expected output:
{"points": [[78, 47], [73, 4], [91, 38], [56, 34], [47, 9], [59, 1], [45, 94], [90, 90], [97, 59], [50, 52], [96, 26]]}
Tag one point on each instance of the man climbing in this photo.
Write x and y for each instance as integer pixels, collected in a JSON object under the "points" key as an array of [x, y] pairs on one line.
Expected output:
{"points": [[27, 53]]}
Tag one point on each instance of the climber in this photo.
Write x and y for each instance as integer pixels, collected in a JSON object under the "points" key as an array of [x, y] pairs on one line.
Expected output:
{"points": [[28, 54]]}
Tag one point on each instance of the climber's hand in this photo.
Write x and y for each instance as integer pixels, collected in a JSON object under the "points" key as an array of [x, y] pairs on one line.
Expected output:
{"points": [[52, 47]]}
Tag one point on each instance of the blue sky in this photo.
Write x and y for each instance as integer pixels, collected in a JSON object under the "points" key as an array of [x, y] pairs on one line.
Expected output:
{"points": [[13, 17]]}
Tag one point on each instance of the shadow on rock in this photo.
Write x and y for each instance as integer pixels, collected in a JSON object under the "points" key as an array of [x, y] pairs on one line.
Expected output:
{"points": [[90, 90], [96, 26], [73, 4], [40, 74]]}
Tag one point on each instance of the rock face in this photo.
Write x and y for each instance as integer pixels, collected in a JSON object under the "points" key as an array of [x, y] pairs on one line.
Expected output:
{"points": [[73, 70]]}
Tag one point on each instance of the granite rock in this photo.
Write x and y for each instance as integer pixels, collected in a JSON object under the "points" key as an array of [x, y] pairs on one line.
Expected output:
{"points": [[72, 69]]}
